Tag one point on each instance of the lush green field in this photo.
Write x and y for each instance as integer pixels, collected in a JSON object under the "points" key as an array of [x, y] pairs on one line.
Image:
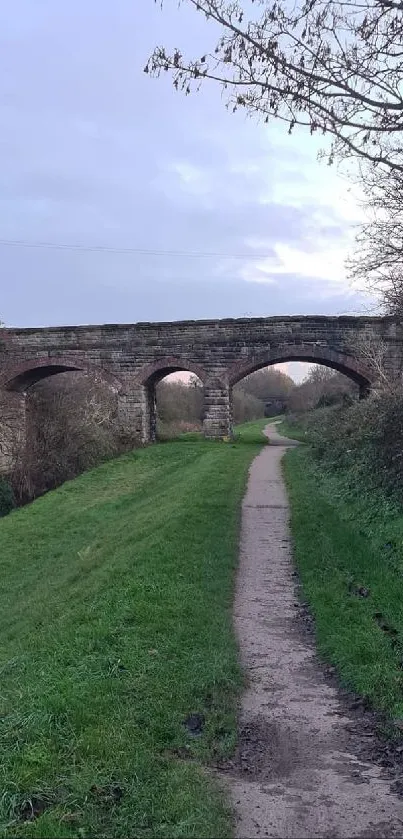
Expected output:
{"points": [[115, 626], [349, 553]]}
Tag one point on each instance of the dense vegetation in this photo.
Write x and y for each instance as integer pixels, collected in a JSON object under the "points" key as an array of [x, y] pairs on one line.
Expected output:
{"points": [[346, 491], [348, 547], [71, 426], [363, 441]]}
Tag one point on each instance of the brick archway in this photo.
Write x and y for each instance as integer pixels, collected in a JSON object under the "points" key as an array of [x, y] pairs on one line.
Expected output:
{"points": [[311, 353], [152, 373], [148, 378], [23, 376]]}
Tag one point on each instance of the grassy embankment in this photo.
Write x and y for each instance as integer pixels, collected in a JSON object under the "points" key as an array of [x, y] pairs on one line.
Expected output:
{"points": [[291, 430], [116, 625], [349, 552], [252, 432]]}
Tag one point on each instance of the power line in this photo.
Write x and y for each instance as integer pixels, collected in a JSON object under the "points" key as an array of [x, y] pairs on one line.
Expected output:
{"points": [[142, 251]]}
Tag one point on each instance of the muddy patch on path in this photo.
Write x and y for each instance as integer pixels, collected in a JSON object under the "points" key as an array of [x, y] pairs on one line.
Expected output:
{"points": [[265, 751]]}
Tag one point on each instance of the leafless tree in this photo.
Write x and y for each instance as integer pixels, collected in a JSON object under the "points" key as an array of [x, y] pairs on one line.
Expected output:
{"points": [[335, 67], [180, 402], [266, 383], [373, 352], [245, 406], [378, 258], [322, 386], [71, 425]]}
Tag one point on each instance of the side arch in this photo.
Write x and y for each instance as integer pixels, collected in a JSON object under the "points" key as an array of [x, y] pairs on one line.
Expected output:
{"points": [[22, 376], [312, 353], [152, 373]]}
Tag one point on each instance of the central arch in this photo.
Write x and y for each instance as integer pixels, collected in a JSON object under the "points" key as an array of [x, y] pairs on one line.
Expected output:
{"points": [[153, 373], [150, 375], [311, 353]]}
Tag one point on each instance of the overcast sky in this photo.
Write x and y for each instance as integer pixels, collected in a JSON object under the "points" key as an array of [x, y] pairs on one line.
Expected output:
{"points": [[95, 153]]}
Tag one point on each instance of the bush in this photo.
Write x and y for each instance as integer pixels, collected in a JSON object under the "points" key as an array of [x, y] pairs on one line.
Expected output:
{"points": [[246, 407], [172, 430], [366, 438], [179, 402], [335, 398], [71, 426], [7, 500], [323, 386]]}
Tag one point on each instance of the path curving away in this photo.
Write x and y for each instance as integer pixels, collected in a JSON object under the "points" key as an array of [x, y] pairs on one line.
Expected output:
{"points": [[299, 772]]}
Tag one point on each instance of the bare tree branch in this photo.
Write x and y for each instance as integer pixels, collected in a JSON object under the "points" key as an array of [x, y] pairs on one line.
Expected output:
{"points": [[336, 67], [378, 260]]}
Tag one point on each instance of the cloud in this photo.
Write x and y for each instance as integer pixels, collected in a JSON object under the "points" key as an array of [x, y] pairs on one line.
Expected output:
{"points": [[94, 152]]}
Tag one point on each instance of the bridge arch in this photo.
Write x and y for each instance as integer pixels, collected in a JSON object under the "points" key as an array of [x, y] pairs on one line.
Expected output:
{"points": [[152, 373], [149, 377], [16, 380], [22, 376], [311, 353]]}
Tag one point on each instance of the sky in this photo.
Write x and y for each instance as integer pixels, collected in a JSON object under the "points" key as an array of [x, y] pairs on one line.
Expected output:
{"points": [[202, 213]]}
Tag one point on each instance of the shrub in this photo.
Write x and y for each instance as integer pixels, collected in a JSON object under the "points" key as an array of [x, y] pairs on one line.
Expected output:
{"points": [[179, 402], [366, 438], [7, 500], [71, 426], [246, 407]]}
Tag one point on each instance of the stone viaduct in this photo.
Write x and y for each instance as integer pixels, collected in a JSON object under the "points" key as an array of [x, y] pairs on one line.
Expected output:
{"points": [[134, 357]]}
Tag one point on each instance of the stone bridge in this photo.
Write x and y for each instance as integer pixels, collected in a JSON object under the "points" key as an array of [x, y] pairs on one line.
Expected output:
{"points": [[135, 357]]}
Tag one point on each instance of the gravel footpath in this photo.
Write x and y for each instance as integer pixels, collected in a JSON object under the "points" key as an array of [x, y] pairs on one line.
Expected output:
{"points": [[299, 771]]}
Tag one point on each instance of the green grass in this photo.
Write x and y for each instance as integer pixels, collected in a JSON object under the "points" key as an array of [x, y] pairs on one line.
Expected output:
{"points": [[167, 432], [344, 541], [187, 437], [247, 432], [252, 432], [291, 431], [115, 624]]}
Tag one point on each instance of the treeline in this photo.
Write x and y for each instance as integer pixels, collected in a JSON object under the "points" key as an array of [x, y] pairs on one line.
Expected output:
{"points": [[180, 404], [361, 439], [322, 387]]}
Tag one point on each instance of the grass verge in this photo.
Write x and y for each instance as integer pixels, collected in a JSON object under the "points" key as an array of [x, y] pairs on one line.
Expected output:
{"points": [[247, 432], [348, 549], [292, 431], [252, 432], [115, 626]]}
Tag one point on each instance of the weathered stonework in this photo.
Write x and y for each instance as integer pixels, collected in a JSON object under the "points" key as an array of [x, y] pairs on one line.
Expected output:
{"points": [[134, 357]]}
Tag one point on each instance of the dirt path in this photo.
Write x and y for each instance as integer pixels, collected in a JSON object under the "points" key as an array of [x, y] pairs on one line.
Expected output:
{"points": [[299, 773]]}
